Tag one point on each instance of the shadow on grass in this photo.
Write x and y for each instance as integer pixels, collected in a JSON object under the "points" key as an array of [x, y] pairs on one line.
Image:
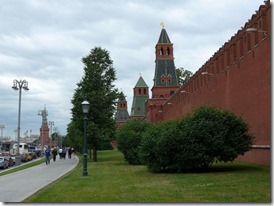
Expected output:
{"points": [[236, 166], [219, 167], [229, 167]]}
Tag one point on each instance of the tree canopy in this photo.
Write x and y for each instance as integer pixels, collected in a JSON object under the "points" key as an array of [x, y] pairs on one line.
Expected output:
{"points": [[96, 86], [183, 75]]}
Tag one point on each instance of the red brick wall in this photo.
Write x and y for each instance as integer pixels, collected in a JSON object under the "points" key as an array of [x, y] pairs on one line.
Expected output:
{"points": [[241, 82]]}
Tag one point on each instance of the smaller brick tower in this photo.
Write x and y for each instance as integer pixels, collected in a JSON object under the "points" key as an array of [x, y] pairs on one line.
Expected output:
{"points": [[44, 129], [140, 96], [121, 115]]}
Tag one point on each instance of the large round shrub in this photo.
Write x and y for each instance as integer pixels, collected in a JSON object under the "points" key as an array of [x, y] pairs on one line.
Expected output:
{"points": [[211, 134], [129, 137]]}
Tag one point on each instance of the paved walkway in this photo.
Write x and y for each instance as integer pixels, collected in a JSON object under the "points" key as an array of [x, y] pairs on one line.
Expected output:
{"points": [[17, 186]]}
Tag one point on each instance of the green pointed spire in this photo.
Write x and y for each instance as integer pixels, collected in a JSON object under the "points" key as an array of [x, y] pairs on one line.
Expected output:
{"points": [[164, 39], [141, 83]]}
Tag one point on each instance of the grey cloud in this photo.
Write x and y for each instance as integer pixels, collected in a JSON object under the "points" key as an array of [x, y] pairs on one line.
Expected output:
{"points": [[44, 41]]}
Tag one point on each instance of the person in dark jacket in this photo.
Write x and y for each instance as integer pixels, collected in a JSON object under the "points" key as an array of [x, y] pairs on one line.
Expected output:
{"points": [[64, 152], [54, 154], [69, 153], [47, 154]]}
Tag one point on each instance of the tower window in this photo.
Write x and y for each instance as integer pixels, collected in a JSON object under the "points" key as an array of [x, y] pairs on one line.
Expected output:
{"points": [[145, 91], [140, 92], [167, 51], [161, 51], [163, 78], [169, 78]]}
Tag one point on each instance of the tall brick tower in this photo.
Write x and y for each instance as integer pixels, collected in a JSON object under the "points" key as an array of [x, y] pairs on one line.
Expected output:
{"points": [[121, 115], [165, 78], [140, 97]]}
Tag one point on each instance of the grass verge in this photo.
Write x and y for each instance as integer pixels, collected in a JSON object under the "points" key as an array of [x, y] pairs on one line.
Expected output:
{"points": [[112, 180], [23, 166]]}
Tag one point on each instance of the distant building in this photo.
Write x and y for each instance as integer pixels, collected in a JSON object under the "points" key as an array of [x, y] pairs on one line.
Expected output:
{"points": [[44, 129]]}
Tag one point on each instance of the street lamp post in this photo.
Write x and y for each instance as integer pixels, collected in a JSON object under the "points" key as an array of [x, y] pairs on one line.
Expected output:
{"points": [[18, 85], [85, 107], [51, 123]]}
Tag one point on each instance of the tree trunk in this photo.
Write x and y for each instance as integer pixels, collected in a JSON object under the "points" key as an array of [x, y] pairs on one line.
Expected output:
{"points": [[90, 153], [94, 154]]}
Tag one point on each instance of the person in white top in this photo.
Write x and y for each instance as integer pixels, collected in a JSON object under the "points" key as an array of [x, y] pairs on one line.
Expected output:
{"points": [[60, 152]]}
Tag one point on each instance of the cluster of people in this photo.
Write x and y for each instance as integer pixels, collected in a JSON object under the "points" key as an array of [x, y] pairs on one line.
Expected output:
{"points": [[62, 153]]}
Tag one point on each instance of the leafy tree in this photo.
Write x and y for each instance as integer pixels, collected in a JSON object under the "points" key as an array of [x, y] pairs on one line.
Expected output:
{"points": [[97, 88], [74, 137], [121, 95], [183, 75]]}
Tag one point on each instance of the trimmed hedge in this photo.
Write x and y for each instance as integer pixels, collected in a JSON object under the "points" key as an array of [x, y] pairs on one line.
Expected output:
{"points": [[129, 137], [191, 144], [157, 146]]}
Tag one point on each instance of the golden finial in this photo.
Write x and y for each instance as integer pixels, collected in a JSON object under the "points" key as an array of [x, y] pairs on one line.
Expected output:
{"points": [[162, 24]]}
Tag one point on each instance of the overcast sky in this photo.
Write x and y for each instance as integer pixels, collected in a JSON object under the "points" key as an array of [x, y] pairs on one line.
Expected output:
{"points": [[43, 42]]}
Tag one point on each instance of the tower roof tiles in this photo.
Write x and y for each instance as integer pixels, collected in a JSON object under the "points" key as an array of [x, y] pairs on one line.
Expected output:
{"points": [[164, 39], [141, 83]]}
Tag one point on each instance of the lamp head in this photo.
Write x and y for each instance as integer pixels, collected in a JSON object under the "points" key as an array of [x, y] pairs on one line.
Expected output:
{"points": [[14, 85], [85, 106], [204, 73], [25, 85], [255, 30], [184, 91], [251, 30]]}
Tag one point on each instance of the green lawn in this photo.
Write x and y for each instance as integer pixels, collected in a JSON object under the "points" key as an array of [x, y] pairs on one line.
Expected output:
{"points": [[112, 180]]}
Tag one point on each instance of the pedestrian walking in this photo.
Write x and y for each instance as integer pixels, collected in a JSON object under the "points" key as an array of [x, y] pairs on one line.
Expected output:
{"points": [[54, 154], [47, 154], [73, 152], [60, 153], [69, 153], [64, 152]]}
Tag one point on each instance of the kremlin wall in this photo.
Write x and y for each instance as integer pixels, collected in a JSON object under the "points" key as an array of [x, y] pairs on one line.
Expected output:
{"points": [[237, 77]]}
